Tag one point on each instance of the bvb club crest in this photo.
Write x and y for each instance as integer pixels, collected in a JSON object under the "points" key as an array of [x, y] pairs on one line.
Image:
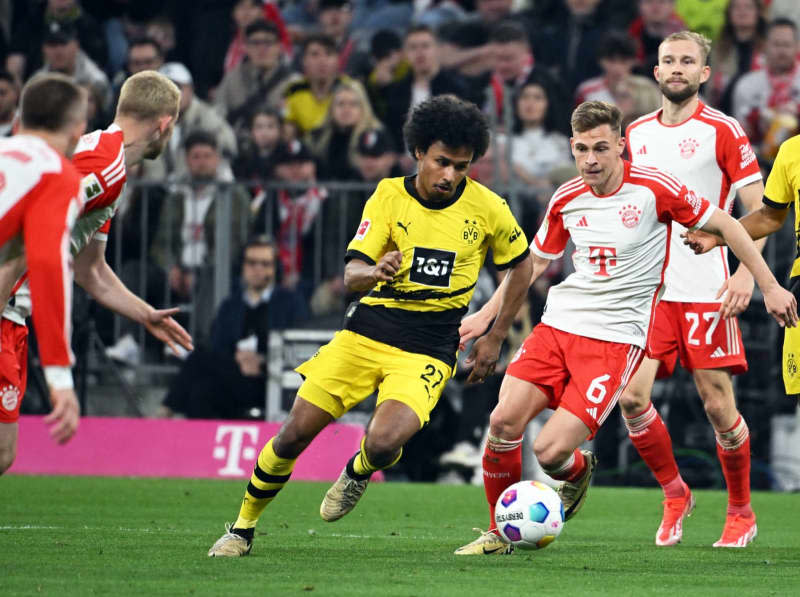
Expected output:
{"points": [[470, 233], [688, 147], [630, 215], [791, 365]]}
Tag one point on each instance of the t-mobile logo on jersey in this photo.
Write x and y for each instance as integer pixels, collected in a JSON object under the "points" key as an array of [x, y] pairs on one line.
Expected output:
{"points": [[236, 451], [603, 257]]}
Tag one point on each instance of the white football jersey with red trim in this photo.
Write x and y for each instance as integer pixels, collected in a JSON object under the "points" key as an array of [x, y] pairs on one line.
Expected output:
{"points": [[621, 242], [711, 154]]}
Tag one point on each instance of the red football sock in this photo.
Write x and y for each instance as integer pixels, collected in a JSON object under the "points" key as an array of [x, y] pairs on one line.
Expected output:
{"points": [[571, 470], [651, 439], [502, 466], [733, 450]]}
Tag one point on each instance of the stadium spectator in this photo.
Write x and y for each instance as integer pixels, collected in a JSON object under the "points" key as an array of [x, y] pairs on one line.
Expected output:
{"points": [[465, 50], [636, 96], [335, 18], [709, 152], [388, 65], [376, 157], [38, 209], [616, 54], [256, 149], [258, 80], [144, 53], [185, 241], [333, 143], [293, 212], [227, 379], [162, 30], [307, 97], [425, 79], [33, 20], [579, 358], [390, 344], [195, 115], [738, 50], [9, 96], [567, 43], [63, 54], [656, 20], [767, 101], [245, 13]]}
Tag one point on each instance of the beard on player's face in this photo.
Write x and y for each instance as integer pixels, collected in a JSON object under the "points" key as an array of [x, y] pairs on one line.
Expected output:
{"points": [[680, 95]]}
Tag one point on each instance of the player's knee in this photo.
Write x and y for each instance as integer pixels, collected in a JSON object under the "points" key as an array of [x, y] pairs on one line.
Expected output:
{"points": [[504, 426], [633, 402], [719, 412], [550, 454], [7, 456], [382, 448]]}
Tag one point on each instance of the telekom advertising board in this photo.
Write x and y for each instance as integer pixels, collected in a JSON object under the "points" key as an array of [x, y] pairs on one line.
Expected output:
{"points": [[174, 448]]}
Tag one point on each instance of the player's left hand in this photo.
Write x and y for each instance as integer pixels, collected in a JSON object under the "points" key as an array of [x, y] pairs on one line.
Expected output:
{"points": [[781, 304], [739, 288], [483, 358], [161, 324]]}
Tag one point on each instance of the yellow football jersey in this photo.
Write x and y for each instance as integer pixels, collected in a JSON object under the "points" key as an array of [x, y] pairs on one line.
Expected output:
{"points": [[783, 187], [444, 245]]}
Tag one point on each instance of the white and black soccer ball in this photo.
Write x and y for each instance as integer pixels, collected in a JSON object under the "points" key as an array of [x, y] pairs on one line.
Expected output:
{"points": [[529, 515]]}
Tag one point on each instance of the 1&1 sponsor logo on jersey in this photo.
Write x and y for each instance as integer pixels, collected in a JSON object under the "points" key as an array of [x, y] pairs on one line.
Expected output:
{"points": [[432, 267]]}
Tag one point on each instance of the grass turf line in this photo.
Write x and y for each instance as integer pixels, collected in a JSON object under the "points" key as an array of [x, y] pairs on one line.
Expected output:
{"points": [[84, 536]]}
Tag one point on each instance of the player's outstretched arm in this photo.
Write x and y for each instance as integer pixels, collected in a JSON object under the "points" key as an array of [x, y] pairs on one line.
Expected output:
{"points": [[758, 224], [476, 324], [779, 302], [486, 350], [94, 275], [360, 276]]}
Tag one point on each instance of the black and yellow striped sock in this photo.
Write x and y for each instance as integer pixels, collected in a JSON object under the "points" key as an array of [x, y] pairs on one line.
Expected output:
{"points": [[360, 468], [269, 476]]}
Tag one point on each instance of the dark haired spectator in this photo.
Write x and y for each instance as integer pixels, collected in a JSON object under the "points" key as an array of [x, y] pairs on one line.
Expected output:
{"points": [[567, 43], [256, 148], [738, 50], [63, 54], [425, 79], [257, 80], [514, 64], [195, 114], [388, 65], [335, 19], [376, 157], [244, 14], [616, 54], [333, 143], [766, 102], [9, 98], [307, 97], [227, 380], [144, 53], [465, 50], [656, 20], [31, 22]]}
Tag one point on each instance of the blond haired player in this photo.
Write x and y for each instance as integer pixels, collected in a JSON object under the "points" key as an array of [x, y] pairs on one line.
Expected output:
{"points": [[711, 154], [598, 322], [145, 117]]}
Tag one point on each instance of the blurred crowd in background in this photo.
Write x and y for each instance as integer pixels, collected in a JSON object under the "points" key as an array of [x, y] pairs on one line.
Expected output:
{"points": [[290, 106]]}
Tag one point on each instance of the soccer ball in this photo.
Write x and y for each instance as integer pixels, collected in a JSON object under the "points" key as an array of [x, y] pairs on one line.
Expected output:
{"points": [[529, 515]]}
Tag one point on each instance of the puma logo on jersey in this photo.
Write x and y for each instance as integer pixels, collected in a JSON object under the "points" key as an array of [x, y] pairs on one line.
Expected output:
{"points": [[404, 226]]}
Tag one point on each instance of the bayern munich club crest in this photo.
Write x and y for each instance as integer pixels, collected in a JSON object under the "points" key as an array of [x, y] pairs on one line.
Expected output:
{"points": [[630, 215], [688, 147], [9, 395]]}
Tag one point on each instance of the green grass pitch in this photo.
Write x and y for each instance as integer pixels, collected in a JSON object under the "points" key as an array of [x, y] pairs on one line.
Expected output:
{"points": [[100, 536]]}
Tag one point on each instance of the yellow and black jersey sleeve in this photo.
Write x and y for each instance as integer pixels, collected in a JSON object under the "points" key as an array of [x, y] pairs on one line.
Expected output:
{"points": [[373, 236], [508, 241], [783, 182]]}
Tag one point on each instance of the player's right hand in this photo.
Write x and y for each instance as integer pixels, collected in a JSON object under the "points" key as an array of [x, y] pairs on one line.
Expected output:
{"points": [[483, 358], [65, 416], [471, 327], [698, 241], [781, 304], [387, 266]]}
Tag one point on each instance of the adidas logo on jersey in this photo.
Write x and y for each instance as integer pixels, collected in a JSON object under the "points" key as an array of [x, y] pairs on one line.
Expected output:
{"points": [[642, 151], [592, 412], [582, 223], [718, 352]]}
